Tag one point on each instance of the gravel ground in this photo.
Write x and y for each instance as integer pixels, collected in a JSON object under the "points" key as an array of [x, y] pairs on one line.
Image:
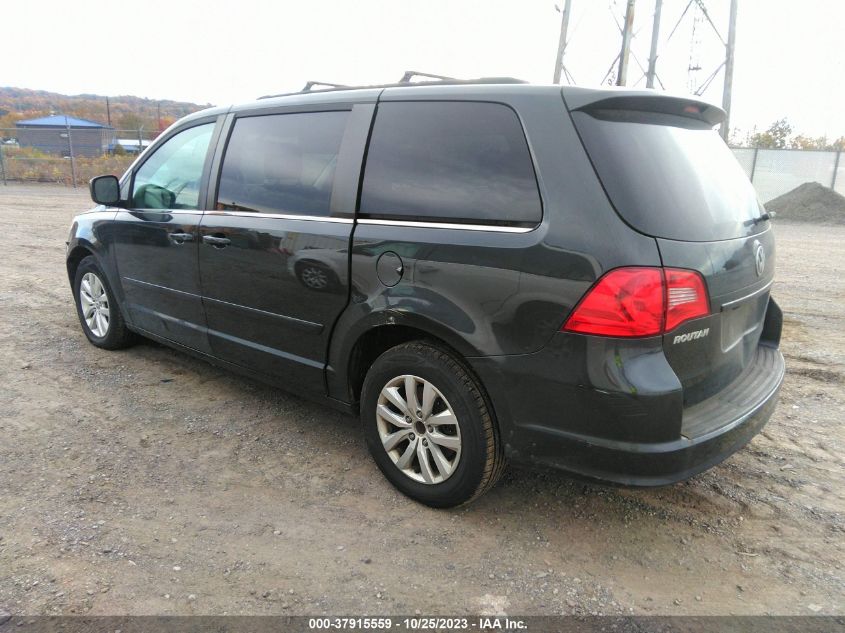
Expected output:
{"points": [[147, 482]]}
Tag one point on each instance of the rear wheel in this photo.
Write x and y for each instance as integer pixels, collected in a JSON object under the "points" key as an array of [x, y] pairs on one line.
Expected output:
{"points": [[97, 308], [428, 426]]}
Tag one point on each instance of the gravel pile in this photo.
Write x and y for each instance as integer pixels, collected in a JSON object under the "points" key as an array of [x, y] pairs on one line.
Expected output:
{"points": [[810, 202]]}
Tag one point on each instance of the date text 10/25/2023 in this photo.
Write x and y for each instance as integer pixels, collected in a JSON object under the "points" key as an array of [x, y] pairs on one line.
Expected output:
{"points": [[418, 623]]}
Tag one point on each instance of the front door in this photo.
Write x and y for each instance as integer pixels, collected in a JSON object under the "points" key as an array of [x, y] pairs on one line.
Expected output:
{"points": [[274, 260], [156, 239]]}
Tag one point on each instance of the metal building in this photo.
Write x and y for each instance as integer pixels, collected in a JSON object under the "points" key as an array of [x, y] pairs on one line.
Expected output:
{"points": [[50, 134]]}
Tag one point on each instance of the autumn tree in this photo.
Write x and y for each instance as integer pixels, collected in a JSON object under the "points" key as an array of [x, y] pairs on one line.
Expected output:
{"points": [[131, 121], [838, 144], [809, 142], [775, 137]]}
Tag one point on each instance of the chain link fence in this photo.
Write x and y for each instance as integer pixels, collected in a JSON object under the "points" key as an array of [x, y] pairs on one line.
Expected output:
{"points": [[74, 156], [66, 155], [777, 171]]}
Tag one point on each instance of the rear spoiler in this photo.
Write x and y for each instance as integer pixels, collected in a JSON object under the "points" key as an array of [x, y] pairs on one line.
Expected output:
{"points": [[587, 99]]}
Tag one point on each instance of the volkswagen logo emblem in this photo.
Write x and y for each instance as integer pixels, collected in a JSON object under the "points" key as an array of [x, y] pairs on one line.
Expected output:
{"points": [[759, 258]]}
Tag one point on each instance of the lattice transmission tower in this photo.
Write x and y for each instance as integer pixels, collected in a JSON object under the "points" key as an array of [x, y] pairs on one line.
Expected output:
{"points": [[627, 65]]}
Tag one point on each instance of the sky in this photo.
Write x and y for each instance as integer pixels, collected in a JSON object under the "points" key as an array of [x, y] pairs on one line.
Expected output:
{"points": [[789, 55]]}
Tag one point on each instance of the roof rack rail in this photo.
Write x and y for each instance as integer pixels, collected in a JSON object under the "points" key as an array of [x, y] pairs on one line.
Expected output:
{"points": [[410, 74], [438, 80], [311, 84]]}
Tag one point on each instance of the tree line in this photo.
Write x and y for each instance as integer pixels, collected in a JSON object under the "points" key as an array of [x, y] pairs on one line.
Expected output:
{"points": [[780, 135], [126, 112]]}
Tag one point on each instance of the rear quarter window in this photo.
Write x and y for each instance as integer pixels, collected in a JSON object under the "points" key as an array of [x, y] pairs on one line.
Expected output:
{"points": [[464, 162]]}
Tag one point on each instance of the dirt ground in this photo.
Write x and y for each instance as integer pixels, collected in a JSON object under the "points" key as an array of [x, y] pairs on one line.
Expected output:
{"points": [[147, 482], [810, 202]]}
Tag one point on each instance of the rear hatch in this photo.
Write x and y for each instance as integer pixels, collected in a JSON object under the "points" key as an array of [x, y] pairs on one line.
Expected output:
{"points": [[669, 175]]}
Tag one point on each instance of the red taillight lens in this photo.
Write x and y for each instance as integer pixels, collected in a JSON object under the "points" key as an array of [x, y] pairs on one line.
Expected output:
{"points": [[639, 302], [686, 297], [625, 302]]}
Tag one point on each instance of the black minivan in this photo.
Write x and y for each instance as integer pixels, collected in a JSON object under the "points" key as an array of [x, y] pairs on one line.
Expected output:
{"points": [[483, 271]]}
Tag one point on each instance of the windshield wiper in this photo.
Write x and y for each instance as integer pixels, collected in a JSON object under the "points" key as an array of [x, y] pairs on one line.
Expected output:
{"points": [[768, 215]]}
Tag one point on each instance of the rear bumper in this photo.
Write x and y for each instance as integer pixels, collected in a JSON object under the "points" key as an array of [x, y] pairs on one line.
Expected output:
{"points": [[649, 464], [583, 429]]}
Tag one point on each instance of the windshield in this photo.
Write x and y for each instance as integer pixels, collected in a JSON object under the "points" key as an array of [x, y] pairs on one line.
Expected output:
{"points": [[669, 176]]}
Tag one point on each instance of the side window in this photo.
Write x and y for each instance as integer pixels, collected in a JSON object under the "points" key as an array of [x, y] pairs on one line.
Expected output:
{"points": [[451, 162], [170, 178], [281, 163]]}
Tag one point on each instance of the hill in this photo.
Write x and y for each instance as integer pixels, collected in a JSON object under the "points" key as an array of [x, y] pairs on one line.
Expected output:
{"points": [[127, 112]]}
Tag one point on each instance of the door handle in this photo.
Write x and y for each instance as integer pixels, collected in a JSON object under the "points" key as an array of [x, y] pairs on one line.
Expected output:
{"points": [[215, 241], [181, 238]]}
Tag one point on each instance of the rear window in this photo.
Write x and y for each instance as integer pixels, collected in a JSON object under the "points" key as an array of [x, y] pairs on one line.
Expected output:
{"points": [[669, 176], [451, 162]]}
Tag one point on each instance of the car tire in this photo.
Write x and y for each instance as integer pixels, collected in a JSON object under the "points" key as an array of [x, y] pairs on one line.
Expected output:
{"points": [[443, 457], [97, 308]]}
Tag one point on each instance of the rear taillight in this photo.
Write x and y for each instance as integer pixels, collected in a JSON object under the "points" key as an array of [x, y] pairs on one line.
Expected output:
{"points": [[686, 297], [625, 302], [640, 302]]}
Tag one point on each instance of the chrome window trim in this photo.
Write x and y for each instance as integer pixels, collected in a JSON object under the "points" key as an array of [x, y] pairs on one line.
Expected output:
{"points": [[321, 218], [281, 216], [164, 211], [450, 225]]}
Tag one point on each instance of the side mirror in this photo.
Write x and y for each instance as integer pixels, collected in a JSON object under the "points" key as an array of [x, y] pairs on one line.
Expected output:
{"points": [[105, 190]]}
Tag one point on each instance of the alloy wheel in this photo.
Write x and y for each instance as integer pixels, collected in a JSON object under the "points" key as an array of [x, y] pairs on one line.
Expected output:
{"points": [[418, 429], [94, 302]]}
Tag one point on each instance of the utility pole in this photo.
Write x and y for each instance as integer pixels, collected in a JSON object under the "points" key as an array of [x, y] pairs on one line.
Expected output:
{"points": [[108, 111], [70, 151], [3, 167], [729, 72], [158, 114], [655, 35], [627, 31], [561, 46]]}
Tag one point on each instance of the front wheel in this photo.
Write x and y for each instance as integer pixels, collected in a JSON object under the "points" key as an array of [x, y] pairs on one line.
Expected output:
{"points": [[428, 426], [97, 308]]}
